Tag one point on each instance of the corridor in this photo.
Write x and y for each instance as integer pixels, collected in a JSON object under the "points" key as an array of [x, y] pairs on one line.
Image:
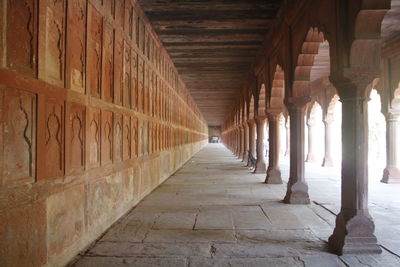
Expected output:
{"points": [[215, 212]]}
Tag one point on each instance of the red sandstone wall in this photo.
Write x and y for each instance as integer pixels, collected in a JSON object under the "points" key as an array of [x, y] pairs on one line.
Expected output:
{"points": [[93, 117]]}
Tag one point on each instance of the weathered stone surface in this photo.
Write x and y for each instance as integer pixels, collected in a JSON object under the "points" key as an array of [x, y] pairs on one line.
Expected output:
{"points": [[65, 211], [16, 227]]}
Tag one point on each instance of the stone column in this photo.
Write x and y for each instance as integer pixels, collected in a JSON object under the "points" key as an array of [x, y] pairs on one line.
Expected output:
{"points": [[311, 136], [328, 161], [240, 156], [297, 188], [287, 127], [236, 142], [354, 230], [260, 165], [252, 139], [273, 171], [391, 174], [245, 142]]}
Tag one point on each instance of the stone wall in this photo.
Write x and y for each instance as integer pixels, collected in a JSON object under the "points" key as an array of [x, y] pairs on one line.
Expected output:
{"points": [[93, 117]]}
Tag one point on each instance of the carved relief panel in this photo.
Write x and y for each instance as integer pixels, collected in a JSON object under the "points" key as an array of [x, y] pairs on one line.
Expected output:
{"points": [[134, 83], [76, 52], [93, 137], [118, 137], [118, 70], [141, 40], [145, 88], [127, 75], [94, 51], [135, 140], [17, 137], [140, 83], [75, 138], [52, 41], [108, 64], [21, 48], [127, 138], [106, 137], [128, 18], [120, 12], [54, 139]]}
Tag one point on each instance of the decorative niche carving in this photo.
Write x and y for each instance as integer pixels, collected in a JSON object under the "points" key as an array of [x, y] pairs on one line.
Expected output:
{"points": [[75, 136], [54, 139], [93, 137], [127, 75], [118, 67], [52, 41], [135, 136], [108, 64], [106, 137], [76, 47], [127, 142], [94, 51], [118, 137], [17, 137], [134, 80], [21, 48]]}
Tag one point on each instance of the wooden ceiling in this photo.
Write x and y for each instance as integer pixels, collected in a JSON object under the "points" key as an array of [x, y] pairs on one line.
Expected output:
{"points": [[213, 44]]}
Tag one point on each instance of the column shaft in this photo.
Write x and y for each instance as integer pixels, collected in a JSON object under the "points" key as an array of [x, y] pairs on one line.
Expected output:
{"points": [[354, 231], [328, 161], [273, 171], [260, 165], [297, 188], [391, 174]]}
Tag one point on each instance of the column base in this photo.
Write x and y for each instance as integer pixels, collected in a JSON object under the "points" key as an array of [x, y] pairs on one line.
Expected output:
{"points": [[260, 168], [273, 177], [354, 236], [391, 175], [297, 193], [327, 162], [310, 158]]}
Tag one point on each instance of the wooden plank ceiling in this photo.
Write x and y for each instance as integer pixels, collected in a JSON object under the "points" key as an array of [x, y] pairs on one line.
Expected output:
{"points": [[213, 44]]}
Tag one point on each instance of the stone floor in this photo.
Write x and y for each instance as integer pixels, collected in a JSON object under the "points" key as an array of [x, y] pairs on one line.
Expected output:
{"points": [[215, 212]]}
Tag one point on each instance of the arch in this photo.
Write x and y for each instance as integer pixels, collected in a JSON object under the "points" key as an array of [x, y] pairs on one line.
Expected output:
{"points": [[277, 89], [332, 104], [312, 63], [261, 101], [367, 35]]}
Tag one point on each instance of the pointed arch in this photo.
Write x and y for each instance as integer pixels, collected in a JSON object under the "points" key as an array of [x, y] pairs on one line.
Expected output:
{"points": [[252, 107], [312, 63], [261, 101], [277, 89]]}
